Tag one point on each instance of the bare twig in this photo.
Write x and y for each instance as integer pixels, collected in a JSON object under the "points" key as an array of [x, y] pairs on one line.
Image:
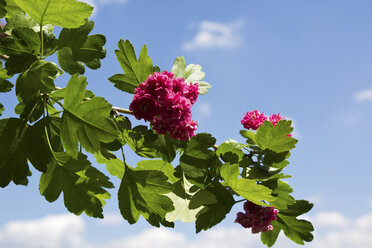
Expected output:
{"points": [[4, 57]]}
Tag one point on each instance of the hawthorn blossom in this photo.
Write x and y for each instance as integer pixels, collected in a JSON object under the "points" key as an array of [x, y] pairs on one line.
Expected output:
{"points": [[275, 118], [253, 119], [257, 217], [166, 101]]}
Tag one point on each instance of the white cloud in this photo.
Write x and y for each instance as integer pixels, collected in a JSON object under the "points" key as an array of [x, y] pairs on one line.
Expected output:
{"points": [[363, 95], [53, 231], [333, 229], [216, 35], [357, 234], [216, 238], [111, 219], [331, 219]]}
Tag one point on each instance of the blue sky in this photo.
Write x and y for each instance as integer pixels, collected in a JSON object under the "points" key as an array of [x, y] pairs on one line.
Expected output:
{"points": [[309, 60]]}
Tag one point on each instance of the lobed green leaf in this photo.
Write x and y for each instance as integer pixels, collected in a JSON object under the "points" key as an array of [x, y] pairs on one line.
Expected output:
{"points": [[192, 73], [113, 165], [214, 213], [86, 122], [82, 185], [63, 13], [76, 48], [136, 71], [247, 188], [276, 137], [143, 192]]}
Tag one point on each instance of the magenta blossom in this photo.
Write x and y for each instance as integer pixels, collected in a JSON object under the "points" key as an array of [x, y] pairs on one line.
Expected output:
{"points": [[253, 119], [144, 106], [166, 101], [257, 217], [275, 118]]}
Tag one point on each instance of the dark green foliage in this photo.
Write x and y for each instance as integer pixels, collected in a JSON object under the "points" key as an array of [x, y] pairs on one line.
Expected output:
{"points": [[13, 159], [82, 185], [142, 192], [77, 47], [86, 122]]}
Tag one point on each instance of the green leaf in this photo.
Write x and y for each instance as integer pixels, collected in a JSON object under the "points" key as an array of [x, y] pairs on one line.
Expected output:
{"points": [[140, 139], [295, 229], [40, 155], [197, 158], [19, 63], [22, 47], [13, 159], [3, 72], [63, 13], [1, 109], [215, 213], [249, 135], [86, 122], [67, 63], [114, 165], [158, 165], [143, 193], [275, 160], [12, 8], [281, 191], [181, 197], [22, 20], [275, 138], [297, 209], [123, 83], [2, 8], [136, 71], [166, 147], [31, 110], [269, 238], [230, 151], [76, 47], [82, 185], [5, 85], [22, 40], [38, 79], [249, 189], [191, 73]]}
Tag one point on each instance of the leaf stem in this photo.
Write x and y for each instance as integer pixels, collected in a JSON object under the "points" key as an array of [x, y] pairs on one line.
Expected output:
{"points": [[122, 110], [122, 153], [240, 200], [46, 129], [42, 42]]}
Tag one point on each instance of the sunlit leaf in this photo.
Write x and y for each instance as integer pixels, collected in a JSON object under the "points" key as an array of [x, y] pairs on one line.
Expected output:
{"points": [[143, 192], [63, 13], [192, 73], [136, 71], [276, 137], [249, 189], [86, 122]]}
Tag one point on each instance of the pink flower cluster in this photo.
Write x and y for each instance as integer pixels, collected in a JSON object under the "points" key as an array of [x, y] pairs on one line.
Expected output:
{"points": [[166, 102], [257, 217], [254, 119]]}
